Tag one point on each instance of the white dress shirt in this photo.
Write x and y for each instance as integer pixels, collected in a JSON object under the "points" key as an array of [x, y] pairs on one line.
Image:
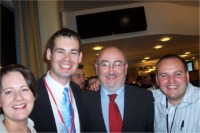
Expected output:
{"points": [[57, 91]]}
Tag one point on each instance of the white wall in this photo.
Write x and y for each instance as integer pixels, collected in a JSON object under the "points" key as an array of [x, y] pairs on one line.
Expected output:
{"points": [[48, 21], [162, 18]]}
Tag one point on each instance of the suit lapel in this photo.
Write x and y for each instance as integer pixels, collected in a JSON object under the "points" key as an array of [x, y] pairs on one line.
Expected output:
{"points": [[130, 105], [99, 112], [96, 111], [77, 95], [45, 106]]}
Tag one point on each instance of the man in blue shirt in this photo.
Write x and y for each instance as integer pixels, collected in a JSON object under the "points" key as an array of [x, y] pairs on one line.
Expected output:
{"points": [[177, 102]]}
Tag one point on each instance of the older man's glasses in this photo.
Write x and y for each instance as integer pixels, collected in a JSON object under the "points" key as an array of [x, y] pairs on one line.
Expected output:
{"points": [[115, 65]]}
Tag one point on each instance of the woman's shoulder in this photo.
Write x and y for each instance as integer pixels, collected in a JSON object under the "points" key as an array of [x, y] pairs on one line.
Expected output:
{"points": [[2, 127], [31, 126]]}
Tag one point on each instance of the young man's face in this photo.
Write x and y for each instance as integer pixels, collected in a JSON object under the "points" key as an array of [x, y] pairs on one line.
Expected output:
{"points": [[64, 58]]}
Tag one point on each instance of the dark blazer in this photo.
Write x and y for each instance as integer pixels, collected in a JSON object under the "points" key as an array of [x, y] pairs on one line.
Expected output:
{"points": [[138, 111], [42, 113]]}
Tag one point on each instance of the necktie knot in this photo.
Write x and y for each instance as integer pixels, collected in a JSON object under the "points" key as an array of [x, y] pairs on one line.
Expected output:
{"points": [[66, 96], [65, 91], [112, 97]]}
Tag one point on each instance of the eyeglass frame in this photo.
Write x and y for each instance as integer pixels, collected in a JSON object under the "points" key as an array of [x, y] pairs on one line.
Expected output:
{"points": [[114, 64]]}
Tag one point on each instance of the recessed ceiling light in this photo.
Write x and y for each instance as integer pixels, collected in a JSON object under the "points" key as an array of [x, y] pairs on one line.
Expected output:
{"points": [[146, 58], [152, 69], [97, 48], [158, 46], [143, 61], [183, 55], [164, 39], [187, 53]]}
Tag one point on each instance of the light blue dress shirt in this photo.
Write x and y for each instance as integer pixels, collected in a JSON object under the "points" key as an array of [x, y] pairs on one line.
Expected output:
{"points": [[105, 103], [186, 117]]}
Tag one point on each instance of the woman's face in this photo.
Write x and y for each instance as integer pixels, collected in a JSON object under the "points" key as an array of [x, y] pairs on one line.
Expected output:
{"points": [[16, 98]]}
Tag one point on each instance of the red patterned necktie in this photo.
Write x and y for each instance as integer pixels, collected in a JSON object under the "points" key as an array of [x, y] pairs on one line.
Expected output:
{"points": [[115, 120]]}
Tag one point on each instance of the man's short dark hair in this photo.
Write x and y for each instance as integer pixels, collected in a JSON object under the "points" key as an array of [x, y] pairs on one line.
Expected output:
{"points": [[64, 32], [80, 66], [172, 56]]}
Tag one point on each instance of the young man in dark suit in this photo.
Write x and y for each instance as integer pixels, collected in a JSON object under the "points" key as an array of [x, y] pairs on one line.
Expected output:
{"points": [[135, 106], [64, 56]]}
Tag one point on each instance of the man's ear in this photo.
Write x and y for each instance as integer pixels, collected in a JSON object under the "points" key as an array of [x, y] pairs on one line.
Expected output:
{"points": [[48, 54], [126, 67], [80, 57], [96, 67], [157, 80], [188, 76], [0, 106]]}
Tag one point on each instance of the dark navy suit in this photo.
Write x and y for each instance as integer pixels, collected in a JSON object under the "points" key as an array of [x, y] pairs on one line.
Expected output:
{"points": [[42, 113], [138, 111]]}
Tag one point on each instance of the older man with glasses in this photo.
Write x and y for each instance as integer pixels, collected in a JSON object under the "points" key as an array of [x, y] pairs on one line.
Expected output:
{"points": [[116, 106]]}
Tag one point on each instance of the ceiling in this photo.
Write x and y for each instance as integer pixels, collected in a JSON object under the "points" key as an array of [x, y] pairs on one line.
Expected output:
{"points": [[77, 5], [136, 48]]}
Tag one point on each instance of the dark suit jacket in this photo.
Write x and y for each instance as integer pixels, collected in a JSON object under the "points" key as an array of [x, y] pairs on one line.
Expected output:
{"points": [[42, 113], [138, 111]]}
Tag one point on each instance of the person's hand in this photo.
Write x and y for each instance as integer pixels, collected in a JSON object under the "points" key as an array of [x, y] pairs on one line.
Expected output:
{"points": [[95, 86]]}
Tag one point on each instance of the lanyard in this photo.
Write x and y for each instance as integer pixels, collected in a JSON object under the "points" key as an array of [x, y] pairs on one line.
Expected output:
{"points": [[167, 117], [71, 100]]}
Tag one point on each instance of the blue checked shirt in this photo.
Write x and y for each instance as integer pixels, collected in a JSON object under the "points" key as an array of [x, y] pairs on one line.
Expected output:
{"points": [[187, 114]]}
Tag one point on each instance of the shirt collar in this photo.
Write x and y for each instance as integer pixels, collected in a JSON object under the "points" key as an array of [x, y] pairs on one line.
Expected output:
{"points": [[54, 84], [189, 97], [191, 94], [119, 92]]}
